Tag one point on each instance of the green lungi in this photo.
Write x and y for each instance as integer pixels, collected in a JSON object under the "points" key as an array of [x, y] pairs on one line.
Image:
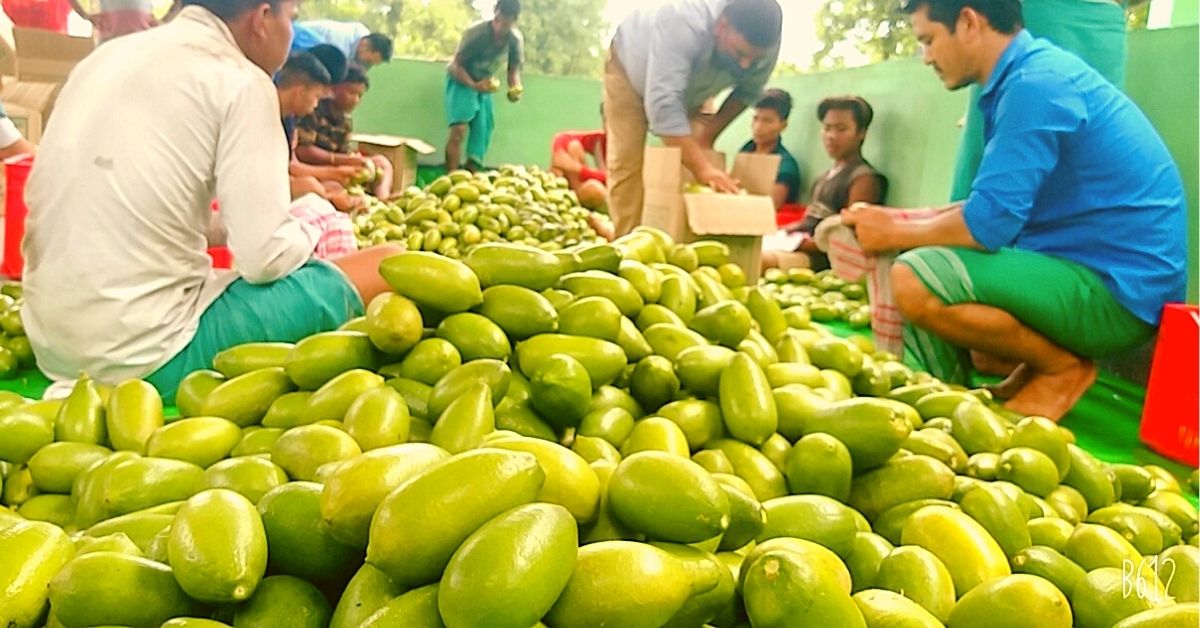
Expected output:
{"points": [[1062, 300]]}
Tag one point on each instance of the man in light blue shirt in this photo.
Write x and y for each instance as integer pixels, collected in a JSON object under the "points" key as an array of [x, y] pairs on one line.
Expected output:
{"points": [[1073, 236], [361, 46], [665, 62]]}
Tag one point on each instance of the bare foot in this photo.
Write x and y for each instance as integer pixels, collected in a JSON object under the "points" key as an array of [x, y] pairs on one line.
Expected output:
{"points": [[1012, 384], [1052, 395], [989, 364]]}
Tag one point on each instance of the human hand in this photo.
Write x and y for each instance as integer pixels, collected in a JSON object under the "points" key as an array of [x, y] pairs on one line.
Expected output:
{"points": [[873, 225], [515, 92], [343, 174], [487, 85], [718, 180]]}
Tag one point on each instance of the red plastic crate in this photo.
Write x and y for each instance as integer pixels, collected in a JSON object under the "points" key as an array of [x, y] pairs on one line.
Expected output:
{"points": [[49, 15], [16, 172], [1171, 415]]}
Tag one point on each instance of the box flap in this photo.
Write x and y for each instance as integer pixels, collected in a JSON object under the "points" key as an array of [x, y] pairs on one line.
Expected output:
{"points": [[661, 169], [756, 173], [48, 56], [730, 214], [32, 95], [393, 141]]}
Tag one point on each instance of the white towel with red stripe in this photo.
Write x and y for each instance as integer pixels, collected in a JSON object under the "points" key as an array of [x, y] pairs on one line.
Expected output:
{"points": [[848, 261]]}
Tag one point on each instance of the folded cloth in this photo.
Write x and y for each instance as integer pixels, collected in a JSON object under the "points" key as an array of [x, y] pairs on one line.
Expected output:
{"points": [[337, 230], [849, 262]]}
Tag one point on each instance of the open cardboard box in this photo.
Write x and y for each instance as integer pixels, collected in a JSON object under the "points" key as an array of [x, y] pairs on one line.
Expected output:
{"points": [[401, 151], [740, 221], [40, 61]]}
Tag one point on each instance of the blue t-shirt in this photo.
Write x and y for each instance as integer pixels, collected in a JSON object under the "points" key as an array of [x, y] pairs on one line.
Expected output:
{"points": [[789, 169], [1073, 169], [342, 35]]}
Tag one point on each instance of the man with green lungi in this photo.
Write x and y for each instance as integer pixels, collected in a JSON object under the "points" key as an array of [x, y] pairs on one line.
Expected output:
{"points": [[1094, 30], [470, 82], [1062, 252]]}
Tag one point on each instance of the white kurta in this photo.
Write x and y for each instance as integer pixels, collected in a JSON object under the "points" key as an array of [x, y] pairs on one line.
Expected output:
{"points": [[147, 131]]}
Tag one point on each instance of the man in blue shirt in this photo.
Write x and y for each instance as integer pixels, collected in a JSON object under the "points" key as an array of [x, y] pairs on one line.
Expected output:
{"points": [[665, 62], [361, 46], [1073, 236]]}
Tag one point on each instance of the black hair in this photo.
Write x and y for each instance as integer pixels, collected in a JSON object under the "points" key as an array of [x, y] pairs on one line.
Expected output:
{"points": [[382, 44], [776, 100], [303, 68], [1003, 15], [355, 74], [333, 59], [759, 21], [510, 9], [231, 9], [856, 105]]}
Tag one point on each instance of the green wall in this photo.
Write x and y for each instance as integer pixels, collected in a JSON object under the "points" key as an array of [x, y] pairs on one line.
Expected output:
{"points": [[406, 98], [1164, 79], [913, 139]]}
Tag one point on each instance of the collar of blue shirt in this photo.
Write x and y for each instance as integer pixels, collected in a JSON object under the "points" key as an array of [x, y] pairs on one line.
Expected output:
{"points": [[1014, 51]]}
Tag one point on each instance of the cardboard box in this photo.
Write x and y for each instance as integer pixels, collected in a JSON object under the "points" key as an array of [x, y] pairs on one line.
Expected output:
{"points": [[740, 221], [401, 151], [40, 61]]}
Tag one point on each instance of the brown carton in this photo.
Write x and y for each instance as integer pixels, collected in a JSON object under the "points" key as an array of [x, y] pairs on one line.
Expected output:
{"points": [[402, 152], [740, 221]]}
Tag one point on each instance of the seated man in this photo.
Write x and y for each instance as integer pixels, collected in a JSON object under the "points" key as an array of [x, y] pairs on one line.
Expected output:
{"points": [[844, 124], [361, 46], [117, 280], [301, 84], [770, 120], [323, 136], [1062, 252], [570, 154]]}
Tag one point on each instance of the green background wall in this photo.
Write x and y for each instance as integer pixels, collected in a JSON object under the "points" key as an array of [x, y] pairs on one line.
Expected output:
{"points": [[913, 139]]}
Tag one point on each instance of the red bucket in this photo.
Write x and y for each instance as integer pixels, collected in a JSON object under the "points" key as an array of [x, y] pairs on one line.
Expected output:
{"points": [[16, 172], [1171, 414]]}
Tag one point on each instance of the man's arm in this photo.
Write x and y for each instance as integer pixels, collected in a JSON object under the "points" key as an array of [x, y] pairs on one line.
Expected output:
{"points": [[672, 48], [779, 194], [341, 174], [20, 147], [1032, 117], [730, 109], [252, 183], [698, 164], [317, 156], [878, 231], [865, 189], [516, 58], [457, 68]]}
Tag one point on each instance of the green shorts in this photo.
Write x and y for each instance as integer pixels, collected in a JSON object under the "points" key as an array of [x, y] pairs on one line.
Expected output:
{"points": [[1062, 300], [316, 297]]}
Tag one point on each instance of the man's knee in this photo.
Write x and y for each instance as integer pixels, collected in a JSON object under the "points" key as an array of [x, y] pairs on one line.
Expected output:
{"points": [[592, 194], [458, 132], [915, 302]]}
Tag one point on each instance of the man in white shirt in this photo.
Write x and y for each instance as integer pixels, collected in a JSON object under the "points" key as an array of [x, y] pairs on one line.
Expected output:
{"points": [[146, 132]]}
